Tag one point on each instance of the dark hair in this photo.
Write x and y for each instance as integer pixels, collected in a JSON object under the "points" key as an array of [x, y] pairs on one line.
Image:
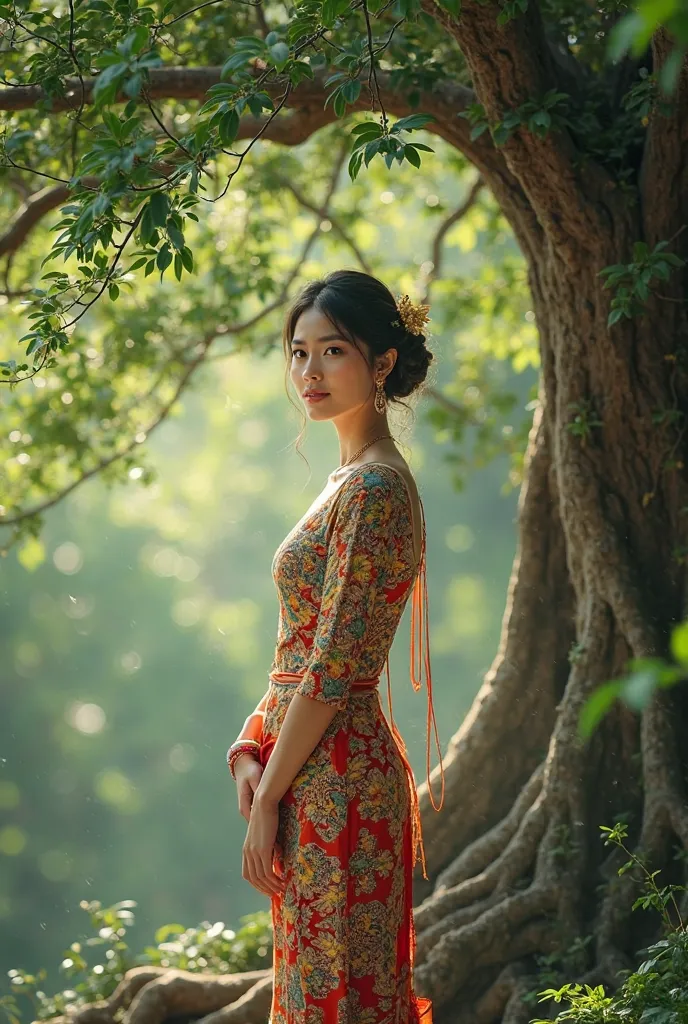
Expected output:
{"points": [[362, 308]]}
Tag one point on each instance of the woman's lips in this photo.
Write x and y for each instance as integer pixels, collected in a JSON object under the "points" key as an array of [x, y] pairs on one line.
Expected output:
{"points": [[317, 397]]}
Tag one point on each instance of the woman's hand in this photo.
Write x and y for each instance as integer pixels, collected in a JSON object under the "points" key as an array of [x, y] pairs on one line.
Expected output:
{"points": [[247, 772], [259, 847]]}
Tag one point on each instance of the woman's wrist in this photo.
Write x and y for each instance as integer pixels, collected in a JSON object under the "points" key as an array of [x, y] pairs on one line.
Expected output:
{"points": [[238, 749], [245, 756]]}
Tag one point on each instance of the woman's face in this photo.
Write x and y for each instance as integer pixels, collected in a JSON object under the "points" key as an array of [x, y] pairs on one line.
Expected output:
{"points": [[323, 361]]}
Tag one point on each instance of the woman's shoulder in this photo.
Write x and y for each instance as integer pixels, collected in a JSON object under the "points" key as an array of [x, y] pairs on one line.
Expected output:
{"points": [[378, 491], [377, 494], [377, 479]]}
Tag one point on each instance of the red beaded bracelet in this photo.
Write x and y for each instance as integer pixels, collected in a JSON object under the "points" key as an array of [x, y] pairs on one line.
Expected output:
{"points": [[239, 748]]}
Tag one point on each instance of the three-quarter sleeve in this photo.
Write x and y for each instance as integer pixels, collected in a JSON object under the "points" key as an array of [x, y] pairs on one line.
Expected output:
{"points": [[357, 562]]}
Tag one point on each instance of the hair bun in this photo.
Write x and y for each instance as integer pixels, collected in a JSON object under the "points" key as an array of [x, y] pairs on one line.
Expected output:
{"points": [[411, 366]]}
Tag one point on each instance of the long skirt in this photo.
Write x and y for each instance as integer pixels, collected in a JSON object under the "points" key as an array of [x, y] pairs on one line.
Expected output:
{"points": [[344, 939]]}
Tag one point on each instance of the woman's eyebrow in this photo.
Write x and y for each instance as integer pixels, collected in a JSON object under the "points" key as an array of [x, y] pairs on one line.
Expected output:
{"points": [[325, 337]]}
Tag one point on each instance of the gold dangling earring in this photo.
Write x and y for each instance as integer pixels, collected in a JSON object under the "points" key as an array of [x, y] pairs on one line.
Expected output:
{"points": [[380, 397]]}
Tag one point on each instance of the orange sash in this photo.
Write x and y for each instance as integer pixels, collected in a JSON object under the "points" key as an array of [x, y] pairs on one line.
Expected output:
{"points": [[419, 658]]}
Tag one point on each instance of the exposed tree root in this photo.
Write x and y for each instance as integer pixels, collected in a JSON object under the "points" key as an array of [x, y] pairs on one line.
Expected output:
{"points": [[505, 735], [150, 995], [476, 857], [491, 1005]]}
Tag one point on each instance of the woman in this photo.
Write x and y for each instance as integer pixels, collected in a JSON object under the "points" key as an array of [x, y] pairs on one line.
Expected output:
{"points": [[322, 778]]}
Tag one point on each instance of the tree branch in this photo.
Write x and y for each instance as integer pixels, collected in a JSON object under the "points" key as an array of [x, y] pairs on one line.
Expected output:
{"points": [[321, 211], [442, 231], [445, 101], [33, 211]]}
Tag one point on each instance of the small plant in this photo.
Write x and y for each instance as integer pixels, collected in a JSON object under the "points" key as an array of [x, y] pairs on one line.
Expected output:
{"points": [[584, 420], [539, 116], [632, 281], [657, 992], [654, 897], [551, 966]]}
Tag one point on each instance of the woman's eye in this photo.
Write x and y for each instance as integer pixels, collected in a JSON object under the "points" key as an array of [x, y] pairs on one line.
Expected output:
{"points": [[299, 351]]}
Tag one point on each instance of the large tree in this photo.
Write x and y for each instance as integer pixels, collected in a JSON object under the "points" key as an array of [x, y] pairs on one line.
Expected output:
{"points": [[130, 112]]}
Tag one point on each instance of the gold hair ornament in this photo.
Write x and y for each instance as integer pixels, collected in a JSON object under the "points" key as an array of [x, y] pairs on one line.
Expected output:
{"points": [[413, 315]]}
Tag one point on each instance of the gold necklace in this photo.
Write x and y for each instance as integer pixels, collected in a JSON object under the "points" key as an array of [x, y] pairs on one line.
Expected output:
{"points": [[361, 450]]}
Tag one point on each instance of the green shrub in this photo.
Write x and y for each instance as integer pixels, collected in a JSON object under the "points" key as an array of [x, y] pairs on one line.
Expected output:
{"points": [[211, 948]]}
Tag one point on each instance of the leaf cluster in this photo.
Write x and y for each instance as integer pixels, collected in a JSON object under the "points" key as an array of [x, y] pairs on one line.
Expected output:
{"points": [[632, 282]]}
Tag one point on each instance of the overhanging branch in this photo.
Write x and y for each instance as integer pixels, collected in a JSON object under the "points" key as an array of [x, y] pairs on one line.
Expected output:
{"points": [[446, 101]]}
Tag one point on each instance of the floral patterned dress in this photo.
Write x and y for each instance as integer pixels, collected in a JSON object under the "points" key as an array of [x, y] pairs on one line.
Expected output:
{"points": [[348, 829]]}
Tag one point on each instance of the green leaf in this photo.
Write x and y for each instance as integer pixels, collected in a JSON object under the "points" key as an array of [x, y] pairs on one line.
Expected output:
{"points": [[371, 149], [630, 33], [135, 41], [280, 54], [178, 266], [412, 156], [679, 644], [501, 135], [159, 206], [132, 86], [164, 258], [478, 129], [597, 707], [670, 70], [638, 689], [113, 291], [233, 63], [228, 128], [300, 70], [107, 82], [373, 128], [331, 9], [136, 264], [163, 933], [411, 123], [351, 91], [187, 259], [640, 251], [355, 164], [175, 235]]}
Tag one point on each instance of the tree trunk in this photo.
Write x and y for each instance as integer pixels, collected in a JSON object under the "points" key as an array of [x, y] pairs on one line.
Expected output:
{"points": [[518, 868]]}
